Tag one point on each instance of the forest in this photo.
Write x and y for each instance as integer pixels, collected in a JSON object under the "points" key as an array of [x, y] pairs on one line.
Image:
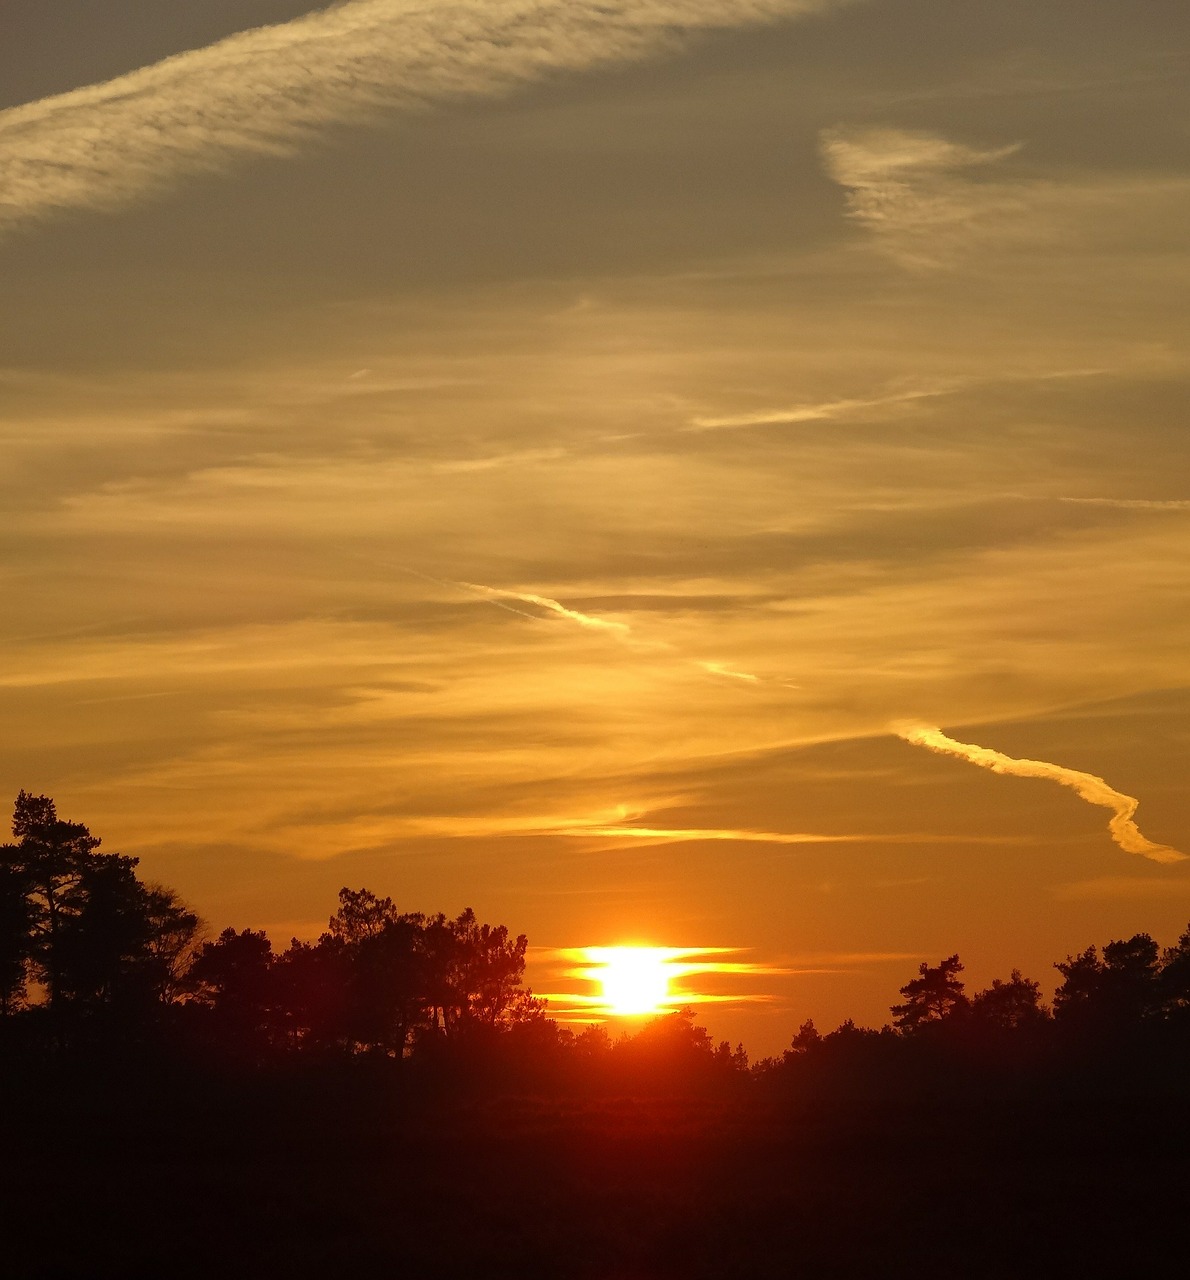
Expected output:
{"points": [[401, 1055]]}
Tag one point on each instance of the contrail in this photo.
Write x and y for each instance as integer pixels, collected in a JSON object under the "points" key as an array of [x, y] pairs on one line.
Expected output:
{"points": [[1093, 790], [823, 412], [496, 594], [1134, 504], [272, 90], [720, 669]]}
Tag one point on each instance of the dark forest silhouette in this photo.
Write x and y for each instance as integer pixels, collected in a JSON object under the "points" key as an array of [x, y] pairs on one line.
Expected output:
{"points": [[89, 952], [138, 1051]]}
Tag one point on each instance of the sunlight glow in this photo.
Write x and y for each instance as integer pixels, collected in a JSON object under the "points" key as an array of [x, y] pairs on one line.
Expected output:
{"points": [[635, 980]]}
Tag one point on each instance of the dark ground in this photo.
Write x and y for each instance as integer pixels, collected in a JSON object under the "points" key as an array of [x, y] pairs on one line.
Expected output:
{"points": [[325, 1179]]}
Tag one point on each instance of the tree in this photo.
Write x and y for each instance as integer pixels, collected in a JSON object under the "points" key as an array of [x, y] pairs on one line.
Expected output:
{"points": [[1175, 978], [488, 968], [174, 932], [807, 1040], [82, 921], [233, 976], [53, 857], [381, 958], [473, 974], [934, 996], [103, 943], [16, 926], [1118, 990], [1010, 1006]]}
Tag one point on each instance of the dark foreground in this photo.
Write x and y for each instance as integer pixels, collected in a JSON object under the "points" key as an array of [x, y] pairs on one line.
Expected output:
{"points": [[318, 1177]]}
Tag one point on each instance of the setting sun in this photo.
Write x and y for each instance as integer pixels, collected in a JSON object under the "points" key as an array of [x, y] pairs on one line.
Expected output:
{"points": [[641, 981], [634, 980]]}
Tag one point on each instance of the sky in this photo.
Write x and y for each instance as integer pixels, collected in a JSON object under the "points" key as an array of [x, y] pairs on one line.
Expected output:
{"points": [[694, 473]]}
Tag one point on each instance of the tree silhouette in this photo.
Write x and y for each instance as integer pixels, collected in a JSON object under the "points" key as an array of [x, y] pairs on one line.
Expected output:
{"points": [[382, 959], [1175, 978], [1120, 989], [82, 921], [473, 975], [16, 925], [1010, 1006], [233, 977], [935, 995], [53, 857]]}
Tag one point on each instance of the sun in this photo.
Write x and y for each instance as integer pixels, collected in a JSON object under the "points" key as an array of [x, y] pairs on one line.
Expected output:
{"points": [[635, 980]]}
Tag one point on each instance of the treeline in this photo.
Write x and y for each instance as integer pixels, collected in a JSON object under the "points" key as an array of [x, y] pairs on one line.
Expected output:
{"points": [[92, 957], [88, 948]]}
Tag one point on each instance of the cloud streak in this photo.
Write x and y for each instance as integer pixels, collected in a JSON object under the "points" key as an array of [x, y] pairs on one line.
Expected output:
{"points": [[747, 836], [591, 623], [824, 412], [1134, 504], [1090, 788], [709, 833], [272, 89], [719, 669]]}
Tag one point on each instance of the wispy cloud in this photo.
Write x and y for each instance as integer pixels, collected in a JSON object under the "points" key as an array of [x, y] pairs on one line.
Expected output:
{"points": [[496, 594], [1090, 788], [929, 201], [1124, 889], [1134, 504], [708, 833], [821, 412], [912, 190], [272, 89], [748, 836], [719, 669]]}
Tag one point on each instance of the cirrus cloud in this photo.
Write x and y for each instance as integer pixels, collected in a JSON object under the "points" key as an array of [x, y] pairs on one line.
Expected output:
{"points": [[271, 89]]}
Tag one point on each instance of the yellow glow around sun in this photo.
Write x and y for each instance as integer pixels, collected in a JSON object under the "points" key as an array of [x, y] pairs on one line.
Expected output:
{"points": [[645, 982], [635, 980]]}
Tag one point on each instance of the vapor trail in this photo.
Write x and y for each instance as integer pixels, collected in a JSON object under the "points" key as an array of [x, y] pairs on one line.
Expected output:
{"points": [[1093, 790], [272, 89], [495, 595]]}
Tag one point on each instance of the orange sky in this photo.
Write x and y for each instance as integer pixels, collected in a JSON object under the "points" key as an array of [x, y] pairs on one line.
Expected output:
{"points": [[541, 456]]}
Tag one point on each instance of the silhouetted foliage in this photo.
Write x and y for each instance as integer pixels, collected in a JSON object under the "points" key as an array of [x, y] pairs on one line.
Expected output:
{"points": [[82, 937], [81, 923], [16, 929], [1012, 1006], [400, 1057], [1112, 993], [934, 996], [1175, 979]]}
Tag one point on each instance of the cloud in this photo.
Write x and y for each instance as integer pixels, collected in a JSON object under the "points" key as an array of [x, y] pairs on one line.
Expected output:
{"points": [[1123, 888], [913, 191], [823, 412], [709, 833], [747, 836], [270, 90], [929, 202], [718, 669], [495, 595], [1134, 504], [1093, 790]]}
